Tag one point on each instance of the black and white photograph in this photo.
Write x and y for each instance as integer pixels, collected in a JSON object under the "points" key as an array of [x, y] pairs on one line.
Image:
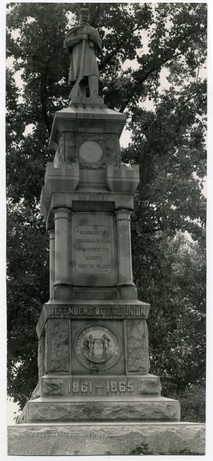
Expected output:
{"points": [[106, 190]]}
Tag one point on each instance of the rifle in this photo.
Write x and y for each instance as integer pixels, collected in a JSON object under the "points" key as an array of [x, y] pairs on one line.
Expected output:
{"points": [[74, 91]]}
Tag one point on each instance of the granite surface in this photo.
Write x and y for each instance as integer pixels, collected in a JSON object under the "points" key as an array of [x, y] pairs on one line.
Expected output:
{"points": [[107, 439], [62, 409]]}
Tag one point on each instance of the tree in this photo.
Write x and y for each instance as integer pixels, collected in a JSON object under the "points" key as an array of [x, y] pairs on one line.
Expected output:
{"points": [[165, 42]]}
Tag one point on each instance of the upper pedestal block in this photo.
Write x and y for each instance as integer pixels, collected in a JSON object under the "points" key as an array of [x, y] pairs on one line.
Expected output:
{"points": [[88, 135], [85, 138]]}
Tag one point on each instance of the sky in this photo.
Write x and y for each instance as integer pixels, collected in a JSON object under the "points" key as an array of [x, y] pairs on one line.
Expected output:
{"points": [[124, 141]]}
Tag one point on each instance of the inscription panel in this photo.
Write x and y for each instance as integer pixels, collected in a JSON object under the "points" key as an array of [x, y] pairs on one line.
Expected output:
{"points": [[101, 311], [92, 311], [93, 255], [108, 387], [93, 249], [92, 386]]}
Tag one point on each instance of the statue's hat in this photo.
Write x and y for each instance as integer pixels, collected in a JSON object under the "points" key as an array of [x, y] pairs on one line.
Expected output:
{"points": [[84, 11]]}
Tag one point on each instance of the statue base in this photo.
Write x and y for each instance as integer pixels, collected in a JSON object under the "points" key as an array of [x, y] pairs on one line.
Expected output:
{"points": [[92, 101], [114, 438]]}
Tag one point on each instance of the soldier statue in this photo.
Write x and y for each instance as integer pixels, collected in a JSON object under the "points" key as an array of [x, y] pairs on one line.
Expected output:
{"points": [[82, 42]]}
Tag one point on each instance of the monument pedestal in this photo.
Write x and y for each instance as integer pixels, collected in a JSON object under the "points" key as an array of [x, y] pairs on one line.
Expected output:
{"points": [[93, 336], [94, 365]]}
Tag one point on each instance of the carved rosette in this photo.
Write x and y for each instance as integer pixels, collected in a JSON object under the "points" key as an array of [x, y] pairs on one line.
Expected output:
{"points": [[90, 154]]}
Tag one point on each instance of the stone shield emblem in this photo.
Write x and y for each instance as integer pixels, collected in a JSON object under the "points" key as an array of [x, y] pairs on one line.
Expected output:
{"points": [[97, 347]]}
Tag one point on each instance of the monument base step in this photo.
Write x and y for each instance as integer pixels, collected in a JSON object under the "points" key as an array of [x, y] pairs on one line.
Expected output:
{"points": [[62, 409], [107, 439]]}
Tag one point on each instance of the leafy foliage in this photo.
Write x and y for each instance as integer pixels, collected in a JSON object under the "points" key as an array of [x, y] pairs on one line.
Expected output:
{"points": [[153, 69]]}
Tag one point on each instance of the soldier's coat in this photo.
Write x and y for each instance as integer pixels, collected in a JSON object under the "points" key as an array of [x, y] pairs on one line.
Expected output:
{"points": [[94, 42]]}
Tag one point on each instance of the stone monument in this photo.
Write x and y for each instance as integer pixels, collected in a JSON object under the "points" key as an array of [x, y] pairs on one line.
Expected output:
{"points": [[93, 338]]}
